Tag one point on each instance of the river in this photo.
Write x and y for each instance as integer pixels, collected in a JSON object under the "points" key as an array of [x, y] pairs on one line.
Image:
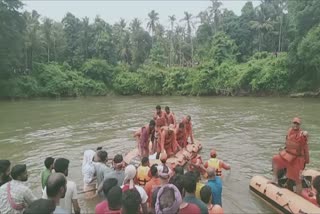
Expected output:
{"points": [[245, 131]]}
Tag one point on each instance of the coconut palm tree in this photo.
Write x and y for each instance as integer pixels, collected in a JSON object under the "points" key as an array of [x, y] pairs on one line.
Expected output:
{"points": [[262, 25], [151, 25], [172, 20], [188, 19]]}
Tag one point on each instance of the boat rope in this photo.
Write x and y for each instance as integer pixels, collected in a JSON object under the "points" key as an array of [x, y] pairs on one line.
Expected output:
{"points": [[287, 205]]}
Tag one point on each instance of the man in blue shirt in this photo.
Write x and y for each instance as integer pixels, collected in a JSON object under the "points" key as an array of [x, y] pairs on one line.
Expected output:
{"points": [[215, 183]]}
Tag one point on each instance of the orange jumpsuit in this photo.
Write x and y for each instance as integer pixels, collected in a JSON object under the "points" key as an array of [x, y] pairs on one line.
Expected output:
{"points": [[181, 137], [144, 135], [295, 155], [167, 141], [171, 119], [188, 128], [160, 120]]}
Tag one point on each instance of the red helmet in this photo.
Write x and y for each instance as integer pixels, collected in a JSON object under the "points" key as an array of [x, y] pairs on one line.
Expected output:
{"points": [[213, 152]]}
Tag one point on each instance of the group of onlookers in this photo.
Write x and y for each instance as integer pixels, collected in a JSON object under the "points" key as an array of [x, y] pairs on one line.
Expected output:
{"points": [[59, 193]]}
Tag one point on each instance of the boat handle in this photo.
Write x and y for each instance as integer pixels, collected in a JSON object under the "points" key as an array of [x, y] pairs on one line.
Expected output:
{"points": [[279, 194], [257, 184]]}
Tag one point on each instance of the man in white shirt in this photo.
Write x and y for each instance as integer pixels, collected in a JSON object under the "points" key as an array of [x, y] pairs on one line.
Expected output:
{"points": [[14, 195], [56, 189], [70, 200]]}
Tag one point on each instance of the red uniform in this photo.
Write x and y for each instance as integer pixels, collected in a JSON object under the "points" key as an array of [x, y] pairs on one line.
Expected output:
{"points": [[144, 135], [295, 155], [171, 119], [160, 120], [188, 129], [167, 141], [181, 137]]}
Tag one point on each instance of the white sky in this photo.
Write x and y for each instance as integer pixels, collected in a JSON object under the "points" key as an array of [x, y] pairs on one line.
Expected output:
{"points": [[112, 11]]}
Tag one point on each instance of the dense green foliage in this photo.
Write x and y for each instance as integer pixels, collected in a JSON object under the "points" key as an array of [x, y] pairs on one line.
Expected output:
{"points": [[273, 48]]}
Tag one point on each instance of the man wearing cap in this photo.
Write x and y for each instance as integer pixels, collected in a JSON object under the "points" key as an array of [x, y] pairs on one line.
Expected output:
{"points": [[167, 142], [294, 156], [215, 163], [14, 195]]}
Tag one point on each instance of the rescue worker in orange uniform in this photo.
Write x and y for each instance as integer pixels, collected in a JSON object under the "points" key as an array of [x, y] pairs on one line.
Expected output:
{"points": [[215, 163], [160, 119], [294, 156], [188, 127], [143, 136], [143, 172], [181, 136], [170, 117], [167, 142]]}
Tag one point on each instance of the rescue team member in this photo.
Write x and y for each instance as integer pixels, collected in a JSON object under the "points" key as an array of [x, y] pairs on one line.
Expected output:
{"points": [[160, 119], [181, 135], [143, 137], [167, 142], [142, 172], [215, 163], [170, 117], [188, 128], [294, 156]]}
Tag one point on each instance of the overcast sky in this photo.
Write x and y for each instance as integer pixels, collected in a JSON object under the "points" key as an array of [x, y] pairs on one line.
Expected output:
{"points": [[112, 11]]}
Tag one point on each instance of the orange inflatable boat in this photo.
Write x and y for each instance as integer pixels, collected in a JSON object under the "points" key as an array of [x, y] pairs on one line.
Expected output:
{"points": [[284, 200], [179, 159]]}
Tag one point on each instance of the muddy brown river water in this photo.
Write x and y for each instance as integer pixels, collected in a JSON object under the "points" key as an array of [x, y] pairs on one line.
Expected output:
{"points": [[245, 131]]}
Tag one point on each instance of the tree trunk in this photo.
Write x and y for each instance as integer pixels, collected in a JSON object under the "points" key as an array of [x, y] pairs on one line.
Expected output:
{"points": [[54, 49], [48, 54], [191, 51], [26, 59], [259, 41], [280, 34]]}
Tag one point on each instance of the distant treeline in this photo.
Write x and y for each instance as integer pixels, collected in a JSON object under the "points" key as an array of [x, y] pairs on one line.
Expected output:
{"points": [[273, 48]]}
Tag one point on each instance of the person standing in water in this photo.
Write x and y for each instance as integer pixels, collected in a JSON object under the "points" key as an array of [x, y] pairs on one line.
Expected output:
{"points": [[170, 117], [181, 136], [160, 120], [215, 163], [188, 128], [295, 155], [167, 142], [143, 137]]}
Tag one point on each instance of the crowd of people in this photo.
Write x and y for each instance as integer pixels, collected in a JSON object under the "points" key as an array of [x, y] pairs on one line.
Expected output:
{"points": [[149, 188]]}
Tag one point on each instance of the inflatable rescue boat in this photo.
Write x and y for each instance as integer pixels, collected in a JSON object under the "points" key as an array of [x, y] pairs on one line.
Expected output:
{"points": [[282, 199], [179, 159]]}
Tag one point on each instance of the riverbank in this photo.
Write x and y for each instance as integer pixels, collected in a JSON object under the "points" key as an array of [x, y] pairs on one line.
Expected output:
{"points": [[263, 75]]}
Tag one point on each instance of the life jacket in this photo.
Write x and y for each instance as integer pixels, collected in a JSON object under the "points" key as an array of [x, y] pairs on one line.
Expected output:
{"points": [[294, 145], [142, 175], [215, 163]]}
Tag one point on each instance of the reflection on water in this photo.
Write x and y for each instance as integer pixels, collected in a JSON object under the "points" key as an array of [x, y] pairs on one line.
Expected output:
{"points": [[245, 131]]}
